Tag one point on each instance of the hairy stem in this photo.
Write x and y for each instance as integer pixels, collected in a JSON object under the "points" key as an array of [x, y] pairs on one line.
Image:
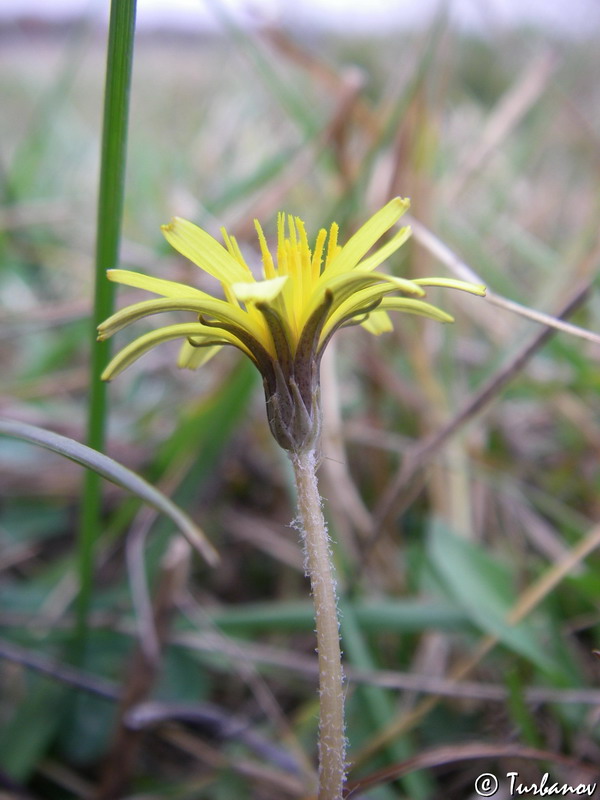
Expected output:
{"points": [[331, 680]]}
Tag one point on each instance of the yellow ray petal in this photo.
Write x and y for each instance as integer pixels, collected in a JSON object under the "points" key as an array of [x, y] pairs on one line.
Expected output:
{"points": [[419, 307], [155, 285], [218, 309], [387, 250], [143, 344], [378, 322], [191, 357], [200, 247], [343, 287], [452, 283], [365, 237], [259, 291], [359, 291]]}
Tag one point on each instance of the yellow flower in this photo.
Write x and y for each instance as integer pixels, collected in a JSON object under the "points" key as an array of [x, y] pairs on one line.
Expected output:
{"points": [[284, 321]]}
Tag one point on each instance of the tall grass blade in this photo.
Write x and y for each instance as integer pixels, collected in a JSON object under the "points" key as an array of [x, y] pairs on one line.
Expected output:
{"points": [[110, 208]]}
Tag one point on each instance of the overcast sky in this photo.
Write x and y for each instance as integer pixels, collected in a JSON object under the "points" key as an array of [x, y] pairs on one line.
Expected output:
{"points": [[570, 15]]}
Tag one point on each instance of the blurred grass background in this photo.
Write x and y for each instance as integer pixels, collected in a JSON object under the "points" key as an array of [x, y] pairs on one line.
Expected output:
{"points": [[496, 141]]}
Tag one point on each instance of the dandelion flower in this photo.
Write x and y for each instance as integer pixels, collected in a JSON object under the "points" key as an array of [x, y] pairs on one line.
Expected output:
{"points": [[283, 321]]}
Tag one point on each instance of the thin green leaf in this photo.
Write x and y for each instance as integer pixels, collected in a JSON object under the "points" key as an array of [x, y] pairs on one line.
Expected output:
{"points": [[114, 472], [108, 237], [482, 587], [27, 735]]}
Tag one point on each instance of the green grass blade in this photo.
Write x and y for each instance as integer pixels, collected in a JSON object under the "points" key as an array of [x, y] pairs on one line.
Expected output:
{"points": [[106, 467], [481, 584], [26, 735], [377, 703], [108, 234]]}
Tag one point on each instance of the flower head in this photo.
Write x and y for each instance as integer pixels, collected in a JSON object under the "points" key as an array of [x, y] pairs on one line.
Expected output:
{"points": [[284, 321]]}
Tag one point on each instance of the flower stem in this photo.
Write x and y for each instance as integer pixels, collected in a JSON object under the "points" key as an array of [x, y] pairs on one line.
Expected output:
{"points": [[332, 742]]}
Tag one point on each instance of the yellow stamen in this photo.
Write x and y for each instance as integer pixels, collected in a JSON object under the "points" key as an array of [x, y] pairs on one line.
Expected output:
{"points": [[305, 266], [318, 254], [267, 258], [332, 246], [281, 254]]}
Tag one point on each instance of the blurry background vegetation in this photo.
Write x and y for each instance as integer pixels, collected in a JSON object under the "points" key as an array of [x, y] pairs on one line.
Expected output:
{"points": [[497, 141]]}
